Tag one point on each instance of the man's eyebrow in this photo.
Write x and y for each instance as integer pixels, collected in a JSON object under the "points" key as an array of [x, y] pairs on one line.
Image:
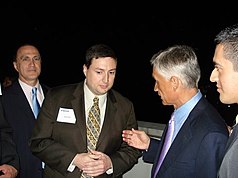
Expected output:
{"points": [[26, 56], [217, 64]]}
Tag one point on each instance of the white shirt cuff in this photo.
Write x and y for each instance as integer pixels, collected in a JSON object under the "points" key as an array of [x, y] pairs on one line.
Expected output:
{"points": [[109, 171], [71, 166]]}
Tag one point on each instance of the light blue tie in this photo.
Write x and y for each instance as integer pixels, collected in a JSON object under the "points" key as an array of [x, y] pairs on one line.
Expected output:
{"points": [[36, 108], [35, 103]]}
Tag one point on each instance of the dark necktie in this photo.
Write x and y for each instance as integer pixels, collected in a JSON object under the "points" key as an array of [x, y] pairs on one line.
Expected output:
{"points": [[35, 103], [167, 143]]}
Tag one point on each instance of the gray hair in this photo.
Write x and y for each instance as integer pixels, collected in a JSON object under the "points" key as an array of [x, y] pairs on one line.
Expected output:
{"points": [[229, 39], [180, 61]]}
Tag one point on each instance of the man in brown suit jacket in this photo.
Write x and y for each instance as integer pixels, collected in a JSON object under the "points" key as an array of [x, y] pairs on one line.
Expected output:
{"points": [[60, 134]]}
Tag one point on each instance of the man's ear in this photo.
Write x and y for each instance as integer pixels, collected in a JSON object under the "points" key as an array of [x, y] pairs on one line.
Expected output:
{"points": [[85, 70], [175, 82], [15, 66]]}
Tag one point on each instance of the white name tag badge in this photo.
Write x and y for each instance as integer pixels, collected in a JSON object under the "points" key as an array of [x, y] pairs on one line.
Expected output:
{"points": [[66, 115]]}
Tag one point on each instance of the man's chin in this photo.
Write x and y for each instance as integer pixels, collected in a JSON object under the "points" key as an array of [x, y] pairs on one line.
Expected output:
{"points": [[224, 100]]}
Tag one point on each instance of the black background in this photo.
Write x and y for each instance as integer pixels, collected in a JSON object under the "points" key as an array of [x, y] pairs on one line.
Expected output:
{"points": [[63, 30]]}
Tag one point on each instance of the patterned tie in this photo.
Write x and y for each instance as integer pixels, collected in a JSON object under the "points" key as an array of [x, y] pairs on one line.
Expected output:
{"points": [[167, 143], [35, 103], [93, 124], [93, 127]]}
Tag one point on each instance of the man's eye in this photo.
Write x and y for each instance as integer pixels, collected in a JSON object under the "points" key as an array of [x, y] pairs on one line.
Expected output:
{"points": [[37, 58], [25, 58], [217, 68]]}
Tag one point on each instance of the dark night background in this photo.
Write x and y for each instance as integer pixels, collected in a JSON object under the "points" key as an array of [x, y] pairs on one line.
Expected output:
{"points": [[63, 31]]}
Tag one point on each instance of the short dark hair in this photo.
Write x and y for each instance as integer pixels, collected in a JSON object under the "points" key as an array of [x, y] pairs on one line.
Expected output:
{"points": [[97, 51]]}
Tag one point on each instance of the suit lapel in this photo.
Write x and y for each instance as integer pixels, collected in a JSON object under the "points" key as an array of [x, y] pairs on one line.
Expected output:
{"points": [[22, 101], [108, 120], [181, 141], [79, 111], [44, 88], [233, 138]]}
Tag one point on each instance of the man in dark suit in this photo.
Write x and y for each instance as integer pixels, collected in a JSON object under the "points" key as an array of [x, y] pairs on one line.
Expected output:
{"points": [[200, 134], [60, 135], [225, 74], [9, 160], [18, 107]]}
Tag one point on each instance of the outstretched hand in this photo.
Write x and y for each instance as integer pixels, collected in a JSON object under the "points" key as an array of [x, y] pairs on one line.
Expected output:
{"points": [[136, 138]]}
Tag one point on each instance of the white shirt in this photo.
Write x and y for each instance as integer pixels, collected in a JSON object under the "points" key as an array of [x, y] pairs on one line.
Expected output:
{"points": [[88, 98], [27, 89]]}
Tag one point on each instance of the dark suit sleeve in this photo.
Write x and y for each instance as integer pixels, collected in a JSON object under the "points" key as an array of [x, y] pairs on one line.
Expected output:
{"points": [[53, 141], [150, 154], [8, 149], [126, 156], [210, 154]]}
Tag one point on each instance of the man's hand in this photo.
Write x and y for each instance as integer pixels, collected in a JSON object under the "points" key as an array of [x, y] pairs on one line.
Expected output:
{"points": [[93, 163], [136, 138], [8, 171]]}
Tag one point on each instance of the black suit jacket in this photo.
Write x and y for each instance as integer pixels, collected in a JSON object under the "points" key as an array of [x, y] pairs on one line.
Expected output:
{"points": [[57, 143], [198, 148], [21, 118], [8, 153]]}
